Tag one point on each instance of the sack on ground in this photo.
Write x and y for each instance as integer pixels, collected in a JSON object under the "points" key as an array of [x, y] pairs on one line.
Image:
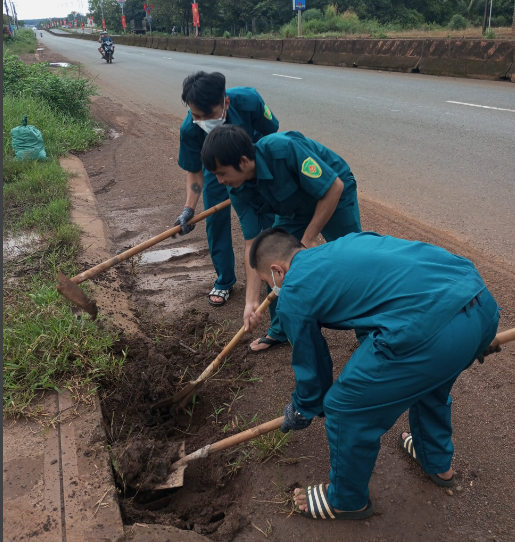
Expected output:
{"points": [[28, 142]]}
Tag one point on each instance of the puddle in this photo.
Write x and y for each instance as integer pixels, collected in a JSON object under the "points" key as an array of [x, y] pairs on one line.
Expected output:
{"points": [[157, 256], [113, 134], [60, 64], [20, 245]]}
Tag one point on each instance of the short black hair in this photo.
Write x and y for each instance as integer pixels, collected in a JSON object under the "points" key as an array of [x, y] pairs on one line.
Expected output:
{"points": [[204, 90], [227, 145], [272, 244]]}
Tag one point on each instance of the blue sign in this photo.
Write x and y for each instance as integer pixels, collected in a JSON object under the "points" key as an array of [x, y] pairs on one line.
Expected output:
{"points": [[299, 5]]}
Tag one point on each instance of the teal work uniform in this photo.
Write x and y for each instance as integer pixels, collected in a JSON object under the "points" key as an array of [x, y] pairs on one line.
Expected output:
{"points": [[293, 174], [415, 302], [248, 110]]}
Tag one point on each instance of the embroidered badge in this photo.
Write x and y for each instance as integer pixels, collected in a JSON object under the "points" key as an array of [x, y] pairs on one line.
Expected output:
{"points": [[268, 113], [311, 169]]}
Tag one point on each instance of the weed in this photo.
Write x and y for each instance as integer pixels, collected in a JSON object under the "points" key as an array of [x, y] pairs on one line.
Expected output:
{"points": [[212, 335], [268, 529], [490, 34], [270, 445], [216, 413], [134, 264], [233, 396], [23, 42]]}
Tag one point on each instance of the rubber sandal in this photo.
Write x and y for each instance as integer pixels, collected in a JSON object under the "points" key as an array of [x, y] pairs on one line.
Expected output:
{"points": [[320, 508], [274, 343], [407, 444], [225, 294]]}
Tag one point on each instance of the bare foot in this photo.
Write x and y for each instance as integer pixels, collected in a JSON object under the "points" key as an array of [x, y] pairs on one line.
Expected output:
{"points": [[299, 497], [256, 346], [216, 299], [443, 475]]}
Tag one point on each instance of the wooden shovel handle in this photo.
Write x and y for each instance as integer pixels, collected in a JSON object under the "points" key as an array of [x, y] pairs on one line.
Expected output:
{"points": [[94, 271], [211, 368], [249, 434], [504, 337]]}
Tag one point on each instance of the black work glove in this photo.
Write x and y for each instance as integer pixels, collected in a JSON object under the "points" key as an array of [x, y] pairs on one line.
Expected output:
{"points": [[487, 352], [293, 420], [186, 215]]}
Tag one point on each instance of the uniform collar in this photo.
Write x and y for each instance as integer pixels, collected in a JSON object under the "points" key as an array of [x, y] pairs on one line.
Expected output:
{"points": [[233, 117], [262, 171]]}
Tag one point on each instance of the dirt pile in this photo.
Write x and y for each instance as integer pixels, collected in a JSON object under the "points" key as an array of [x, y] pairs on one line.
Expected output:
{"points": [[145, 442]]}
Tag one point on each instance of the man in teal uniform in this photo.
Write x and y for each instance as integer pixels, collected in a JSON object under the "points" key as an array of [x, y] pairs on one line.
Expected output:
{"points": [[309, 188], [210, 106], [427, 315]]}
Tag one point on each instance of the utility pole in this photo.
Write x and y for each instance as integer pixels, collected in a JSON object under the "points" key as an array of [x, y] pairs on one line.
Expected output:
{"points": [[7, 11], [490, 18], [484, 17], [299, 20]]}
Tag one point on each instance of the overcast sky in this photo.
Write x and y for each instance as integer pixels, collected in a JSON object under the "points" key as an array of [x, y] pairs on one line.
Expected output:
{"points": [[42, 9]]}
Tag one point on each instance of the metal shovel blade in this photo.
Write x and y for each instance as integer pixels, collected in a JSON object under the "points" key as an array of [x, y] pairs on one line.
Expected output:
{"points": [[73, 293], [183, 397], [176, 478]]}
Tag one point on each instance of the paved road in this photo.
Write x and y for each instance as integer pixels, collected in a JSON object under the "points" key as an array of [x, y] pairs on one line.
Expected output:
{"points": [[448, 164]]}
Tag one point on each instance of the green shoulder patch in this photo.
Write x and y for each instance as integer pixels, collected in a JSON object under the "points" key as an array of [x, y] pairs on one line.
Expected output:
{"points": [[311, 169], [268, 113]]}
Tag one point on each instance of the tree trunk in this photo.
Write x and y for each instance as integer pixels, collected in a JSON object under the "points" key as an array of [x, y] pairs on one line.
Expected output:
{"points": [[485, 16], [513, 21], [254, 23]]}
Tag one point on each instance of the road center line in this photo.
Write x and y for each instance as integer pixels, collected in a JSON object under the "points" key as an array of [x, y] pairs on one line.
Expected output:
{"points": [[482, 106], [288, 76]]}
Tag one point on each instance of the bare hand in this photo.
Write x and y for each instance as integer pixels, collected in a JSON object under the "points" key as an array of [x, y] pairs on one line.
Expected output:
{"points": [[251, 318], [308, 242]]}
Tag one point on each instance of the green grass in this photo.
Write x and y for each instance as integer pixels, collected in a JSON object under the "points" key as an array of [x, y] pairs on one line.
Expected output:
{"points": [[44, 345], [23, 42]]}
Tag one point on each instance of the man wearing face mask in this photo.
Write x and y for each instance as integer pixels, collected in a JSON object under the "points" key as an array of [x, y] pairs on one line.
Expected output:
{"points": [[427, 315], [308, 187], [210, 105]]}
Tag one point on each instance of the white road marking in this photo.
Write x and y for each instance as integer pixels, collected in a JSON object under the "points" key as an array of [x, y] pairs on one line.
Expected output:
{"points": [[288, 76], [482, 106]]}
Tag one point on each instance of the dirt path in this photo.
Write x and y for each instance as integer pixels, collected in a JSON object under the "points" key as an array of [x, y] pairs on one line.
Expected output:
{"points": [[140, 191]]}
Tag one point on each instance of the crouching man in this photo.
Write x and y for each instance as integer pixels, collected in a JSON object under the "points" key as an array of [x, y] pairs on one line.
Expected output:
{"points": [[427, 315]]}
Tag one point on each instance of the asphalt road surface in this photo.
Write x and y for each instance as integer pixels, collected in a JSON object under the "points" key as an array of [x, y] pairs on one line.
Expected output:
{"points": [[436, 148]]}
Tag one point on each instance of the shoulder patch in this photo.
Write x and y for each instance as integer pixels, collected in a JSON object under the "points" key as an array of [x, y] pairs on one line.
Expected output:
{"points": [[268, 113], [311, 169]]}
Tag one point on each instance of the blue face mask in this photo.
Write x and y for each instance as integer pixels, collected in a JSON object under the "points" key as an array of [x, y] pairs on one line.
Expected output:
{"points": [[275, 289]]}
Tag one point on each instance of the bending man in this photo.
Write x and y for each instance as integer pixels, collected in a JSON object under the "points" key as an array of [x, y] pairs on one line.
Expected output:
{"points": [[210, 106], [427, 315], [308, 187]]}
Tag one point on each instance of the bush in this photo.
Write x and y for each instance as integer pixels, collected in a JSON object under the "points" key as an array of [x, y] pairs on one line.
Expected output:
{"points": [[65, 94], [312, 14], [489, 34], [227, 35], [249, 35], [458, 22]]}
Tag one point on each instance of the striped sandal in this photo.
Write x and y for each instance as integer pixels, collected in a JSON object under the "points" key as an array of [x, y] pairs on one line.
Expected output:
{"points": [[319, 507], [407, 444]]}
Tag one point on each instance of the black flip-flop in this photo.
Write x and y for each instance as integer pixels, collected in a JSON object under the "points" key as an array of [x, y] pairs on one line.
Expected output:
{"points": [[407, 444], [274, 343], [320, 508]]}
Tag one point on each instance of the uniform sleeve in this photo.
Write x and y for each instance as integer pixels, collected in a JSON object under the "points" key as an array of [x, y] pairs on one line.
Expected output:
{"points": [[189, 151], [251, 222], [314, 175], [311, 362], [263, 120]]}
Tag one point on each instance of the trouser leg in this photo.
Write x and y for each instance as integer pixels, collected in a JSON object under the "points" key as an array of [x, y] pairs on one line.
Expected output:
{"points": [[219, 236]]}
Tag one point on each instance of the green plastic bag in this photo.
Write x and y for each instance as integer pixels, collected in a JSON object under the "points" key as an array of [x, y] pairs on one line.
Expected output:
{"points": [[28, 142]]}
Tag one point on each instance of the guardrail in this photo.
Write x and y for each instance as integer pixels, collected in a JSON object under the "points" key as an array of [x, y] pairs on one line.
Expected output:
{"points": [[479, 59]]}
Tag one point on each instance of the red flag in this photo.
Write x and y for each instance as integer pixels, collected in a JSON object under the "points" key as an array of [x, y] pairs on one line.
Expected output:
{"points": [[82, 25], [196, 20], [69, 25], [104, 24], [145, 7], [124, 23]]}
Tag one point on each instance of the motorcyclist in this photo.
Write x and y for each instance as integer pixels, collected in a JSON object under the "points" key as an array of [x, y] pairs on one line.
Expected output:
{"points": [[103, 39]]}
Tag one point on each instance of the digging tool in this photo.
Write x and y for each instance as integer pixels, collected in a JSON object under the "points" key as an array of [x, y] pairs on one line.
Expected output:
{"points": [[176, 478], [69, 289], [193, 386]]}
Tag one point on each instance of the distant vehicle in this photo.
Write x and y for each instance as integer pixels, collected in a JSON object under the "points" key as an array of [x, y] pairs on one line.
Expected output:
{"points": [[138, 26], [108, 48]]}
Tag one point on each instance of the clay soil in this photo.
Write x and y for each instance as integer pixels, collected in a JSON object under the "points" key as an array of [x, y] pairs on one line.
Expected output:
{"points": [[140, 191]]}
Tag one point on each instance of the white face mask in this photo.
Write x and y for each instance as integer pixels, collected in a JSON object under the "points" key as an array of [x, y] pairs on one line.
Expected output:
{"points": [[211, 124], [275, 289]]}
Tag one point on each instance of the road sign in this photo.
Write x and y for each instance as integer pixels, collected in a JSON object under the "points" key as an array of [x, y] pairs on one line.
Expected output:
{"points": [[299, 5]]}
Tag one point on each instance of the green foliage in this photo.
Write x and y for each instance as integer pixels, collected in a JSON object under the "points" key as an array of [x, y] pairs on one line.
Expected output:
{"points": [[227, 35], [249, 35], [65, 93], [23, 42], [458, 22], [312, 14], [489, 34]]}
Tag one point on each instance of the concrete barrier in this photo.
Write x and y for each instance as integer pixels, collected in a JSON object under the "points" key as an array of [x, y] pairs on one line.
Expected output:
{"points": [[297, 50], [258, 49], [155, 42], [163, 43], [479, 59], [148, 42], [130, 40], [224, 47], [201, 46], [335, 53], [393, 55], [122, 40]]}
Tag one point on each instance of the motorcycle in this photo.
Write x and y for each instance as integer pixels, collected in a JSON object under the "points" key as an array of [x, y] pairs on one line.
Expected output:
{"points": [[108, 47]]}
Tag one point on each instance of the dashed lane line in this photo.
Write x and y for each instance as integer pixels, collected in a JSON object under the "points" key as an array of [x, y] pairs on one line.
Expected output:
{"points": [[287, 76], [482, 106]]}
